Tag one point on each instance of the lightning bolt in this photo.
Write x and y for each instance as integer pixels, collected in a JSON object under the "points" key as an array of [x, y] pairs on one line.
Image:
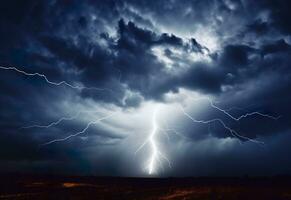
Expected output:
{"points": [[52, 123], [155, 154], [80, 132], [44, 77], [241, 116], [68, 119], [59, 121], [153, 144], [236, 119]]}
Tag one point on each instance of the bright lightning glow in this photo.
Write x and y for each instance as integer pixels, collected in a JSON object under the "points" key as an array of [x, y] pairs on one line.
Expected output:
{"points": [[155, 152], [153, 144]]}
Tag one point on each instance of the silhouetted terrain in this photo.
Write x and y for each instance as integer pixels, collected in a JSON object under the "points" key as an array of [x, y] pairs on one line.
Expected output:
{"points": [[53, 187]]}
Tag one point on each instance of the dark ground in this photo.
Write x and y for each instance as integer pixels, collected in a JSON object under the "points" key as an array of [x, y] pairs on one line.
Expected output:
{"points": [[53, 187]]}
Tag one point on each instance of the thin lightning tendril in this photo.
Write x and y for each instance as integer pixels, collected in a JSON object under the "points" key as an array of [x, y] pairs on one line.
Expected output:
{"points": [[52, 123], [57, 122], [242, 116], [80, 132], [232, 131], [55, 83], [236, 119]]}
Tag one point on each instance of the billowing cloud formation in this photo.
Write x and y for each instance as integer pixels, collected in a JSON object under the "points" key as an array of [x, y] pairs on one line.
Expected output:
{"points": [[141, 53]]}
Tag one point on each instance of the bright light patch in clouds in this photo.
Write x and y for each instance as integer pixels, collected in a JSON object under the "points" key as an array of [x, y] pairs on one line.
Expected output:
{"points": [[207, 37], [174, 58]]}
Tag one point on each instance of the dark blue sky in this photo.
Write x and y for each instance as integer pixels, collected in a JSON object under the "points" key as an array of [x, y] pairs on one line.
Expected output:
{"points": [[120, 61]]}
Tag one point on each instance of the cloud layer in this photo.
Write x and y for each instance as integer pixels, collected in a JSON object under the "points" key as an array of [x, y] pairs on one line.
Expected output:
{"points": [[143, 53]]}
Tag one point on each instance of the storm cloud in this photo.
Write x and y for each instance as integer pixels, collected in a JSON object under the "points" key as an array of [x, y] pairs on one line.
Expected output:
{"points": [[140, 53]]}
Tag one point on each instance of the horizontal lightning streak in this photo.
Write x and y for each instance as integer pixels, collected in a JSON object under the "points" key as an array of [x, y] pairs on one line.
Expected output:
{"points": [[53, 123], [232, 131], [244, 115], [80, 132], [58, 121], [55, 83], [232, 116]]}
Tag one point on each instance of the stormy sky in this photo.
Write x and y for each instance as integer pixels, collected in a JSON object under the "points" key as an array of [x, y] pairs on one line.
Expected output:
{"points": [[80, 82]]}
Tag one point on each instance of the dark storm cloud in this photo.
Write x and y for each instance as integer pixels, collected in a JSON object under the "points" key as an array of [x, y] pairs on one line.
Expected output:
{"points": [[279, 46], [279, 14], [235, 56], [137, 63], [100, 64], [111, 44], [259, 27]]}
